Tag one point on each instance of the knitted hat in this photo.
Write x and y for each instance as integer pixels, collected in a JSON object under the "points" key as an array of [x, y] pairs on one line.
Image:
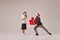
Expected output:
{"points": [[38, 14]]}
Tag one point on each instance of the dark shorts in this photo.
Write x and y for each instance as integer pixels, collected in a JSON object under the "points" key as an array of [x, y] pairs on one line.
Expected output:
{"points": [[23, 26]]}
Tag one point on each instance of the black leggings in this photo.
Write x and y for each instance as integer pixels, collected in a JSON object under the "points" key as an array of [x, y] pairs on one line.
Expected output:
{"points": [[35, 28]]}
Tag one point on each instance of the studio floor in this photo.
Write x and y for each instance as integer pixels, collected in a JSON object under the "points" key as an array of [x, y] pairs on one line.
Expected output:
{"points": [[28, 37]]}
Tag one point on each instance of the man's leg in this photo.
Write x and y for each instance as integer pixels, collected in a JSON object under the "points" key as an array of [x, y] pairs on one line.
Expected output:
{"points": [[35, 28], [46, 30]]}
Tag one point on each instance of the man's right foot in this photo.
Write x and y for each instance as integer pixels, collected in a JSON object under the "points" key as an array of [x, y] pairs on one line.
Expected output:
{"points": [[50, 34]]}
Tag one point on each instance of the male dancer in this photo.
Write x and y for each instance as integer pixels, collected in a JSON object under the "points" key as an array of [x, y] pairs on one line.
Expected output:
{"points": [[39, 24]]}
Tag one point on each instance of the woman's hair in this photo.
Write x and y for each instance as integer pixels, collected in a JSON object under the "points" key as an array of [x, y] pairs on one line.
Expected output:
{"points": [[25, 14]]}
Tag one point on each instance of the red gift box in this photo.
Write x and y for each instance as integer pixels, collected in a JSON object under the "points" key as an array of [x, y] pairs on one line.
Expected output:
{"points": [[31, 22]]}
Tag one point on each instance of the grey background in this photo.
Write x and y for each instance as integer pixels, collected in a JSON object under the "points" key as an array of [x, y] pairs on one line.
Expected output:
{"points": [[11, 11]]}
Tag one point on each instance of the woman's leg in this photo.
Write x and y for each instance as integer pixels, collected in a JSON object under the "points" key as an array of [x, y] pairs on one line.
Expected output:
{"points": [[46, 30], [23, 31]]}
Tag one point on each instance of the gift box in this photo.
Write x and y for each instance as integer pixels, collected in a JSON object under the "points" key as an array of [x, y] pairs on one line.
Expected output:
{"points": [[31, 21]]}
